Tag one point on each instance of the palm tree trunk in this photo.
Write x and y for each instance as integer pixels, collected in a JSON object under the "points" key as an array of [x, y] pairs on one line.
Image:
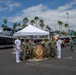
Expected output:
{"points": [[59, 27]]}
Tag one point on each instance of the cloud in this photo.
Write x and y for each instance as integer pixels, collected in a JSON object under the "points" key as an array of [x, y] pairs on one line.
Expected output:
{"points": [[50, 16], [67, 6], [29, 12], [10, 5]]}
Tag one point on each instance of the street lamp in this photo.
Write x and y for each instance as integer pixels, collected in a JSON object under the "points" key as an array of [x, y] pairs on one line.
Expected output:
{"points": [[67, 17], [67, 20]]}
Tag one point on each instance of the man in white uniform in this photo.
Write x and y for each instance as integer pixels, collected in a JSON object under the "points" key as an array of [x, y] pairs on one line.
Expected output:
{"points": [[18, 48], [58, 45]]}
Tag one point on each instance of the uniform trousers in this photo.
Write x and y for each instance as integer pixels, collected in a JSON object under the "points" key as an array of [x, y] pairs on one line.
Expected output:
{"points": [[18, 54], [58, 52], [24, 54]]}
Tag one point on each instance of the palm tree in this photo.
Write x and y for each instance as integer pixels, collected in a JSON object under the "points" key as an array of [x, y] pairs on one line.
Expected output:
{"points": [[5, 21], [3, 26], [60, 23], [19, 25], [14, 25], [75, 33], [41, 23], [6, 26], [36, 18], [24, 25], [47, 27], [32, 22], [25, 20], [66, 25]]}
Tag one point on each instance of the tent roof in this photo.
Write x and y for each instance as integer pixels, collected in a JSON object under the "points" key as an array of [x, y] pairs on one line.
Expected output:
{"points": [[31, 30]]}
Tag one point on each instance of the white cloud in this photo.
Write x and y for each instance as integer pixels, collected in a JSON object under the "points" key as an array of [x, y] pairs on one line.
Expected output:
{"points": [[67, 6], [30, 13], [51, 17], [11, 5]]}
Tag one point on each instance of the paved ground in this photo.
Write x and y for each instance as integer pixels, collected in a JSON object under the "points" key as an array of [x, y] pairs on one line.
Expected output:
{"points": [[51, 66]]}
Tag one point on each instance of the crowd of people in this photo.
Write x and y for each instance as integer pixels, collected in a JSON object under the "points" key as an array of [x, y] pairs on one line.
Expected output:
{"points": [[52, 47]]}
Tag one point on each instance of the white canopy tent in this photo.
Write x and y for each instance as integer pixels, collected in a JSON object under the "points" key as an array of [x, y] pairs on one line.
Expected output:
{"points": [[31, 30]]}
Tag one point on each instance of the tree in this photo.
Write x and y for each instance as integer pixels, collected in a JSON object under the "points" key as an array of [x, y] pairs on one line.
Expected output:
{"points": [[75, 33], [32, 22], [24, 25], [41, 23], [66, 26], [36, 18], [60, 23], [25, 20], [5, 21], [3, 26], [6, 26], [63, 33], [47, 27], [19, 24], [14, 25]]}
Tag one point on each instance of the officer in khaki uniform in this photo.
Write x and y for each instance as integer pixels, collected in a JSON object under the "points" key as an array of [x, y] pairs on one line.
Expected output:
{"points": [[47, 46], [24, 48], [30, 46], [53, 47]]}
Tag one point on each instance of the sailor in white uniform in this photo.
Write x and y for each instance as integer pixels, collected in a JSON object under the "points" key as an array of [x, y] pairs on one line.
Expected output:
{"points": [[18, 48], [58, 46]]}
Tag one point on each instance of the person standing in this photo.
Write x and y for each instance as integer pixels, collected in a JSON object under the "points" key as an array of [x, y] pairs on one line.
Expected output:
{"points": [[24, 48], [53, 47], [18, 48], [64, 42], [47, 46], [58, 46], [30, 47], [71, 44]]}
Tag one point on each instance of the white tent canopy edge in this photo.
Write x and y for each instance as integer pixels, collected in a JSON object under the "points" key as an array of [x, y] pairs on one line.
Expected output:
{"points": [[31, 30]]}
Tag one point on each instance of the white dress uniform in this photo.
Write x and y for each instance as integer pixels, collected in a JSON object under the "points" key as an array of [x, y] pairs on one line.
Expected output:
{"points": [[58, 45], [18, 45]]}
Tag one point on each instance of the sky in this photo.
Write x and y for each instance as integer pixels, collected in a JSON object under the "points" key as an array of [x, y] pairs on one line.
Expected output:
{"points": [[51, 11]]}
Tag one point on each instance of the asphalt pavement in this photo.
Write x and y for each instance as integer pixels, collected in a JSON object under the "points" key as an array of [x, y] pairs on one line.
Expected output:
{"points": [[47, 66]]}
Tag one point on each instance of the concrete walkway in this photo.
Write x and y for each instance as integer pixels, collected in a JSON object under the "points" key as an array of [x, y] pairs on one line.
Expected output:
{"points": [[51, 66]]}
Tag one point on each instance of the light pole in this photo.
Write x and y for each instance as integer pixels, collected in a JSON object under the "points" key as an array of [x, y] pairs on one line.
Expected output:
{"points": [[67, 21], [67, 17]]}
